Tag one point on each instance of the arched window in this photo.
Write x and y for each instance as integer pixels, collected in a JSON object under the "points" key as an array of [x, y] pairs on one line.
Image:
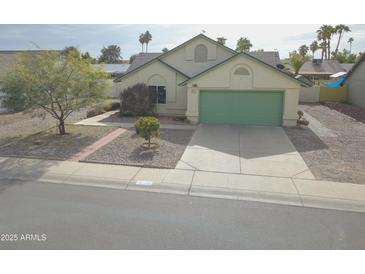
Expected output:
{"points": [[241, 71], [200, 54]]}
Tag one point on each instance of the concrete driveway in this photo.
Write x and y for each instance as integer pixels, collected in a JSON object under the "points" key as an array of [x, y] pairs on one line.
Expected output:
{"points": [[244, 150]]}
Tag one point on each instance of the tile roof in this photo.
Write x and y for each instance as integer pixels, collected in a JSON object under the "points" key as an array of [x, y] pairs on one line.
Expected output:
{"points": [[326, 67], [141, 59], [347, 66], [114, 68], [269, 57]]}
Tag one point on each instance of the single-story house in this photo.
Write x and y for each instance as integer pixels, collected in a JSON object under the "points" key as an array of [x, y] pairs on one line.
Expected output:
{"points": [[115, 70], [210, 83], [318, 69], [355, 81], [347, 66]]}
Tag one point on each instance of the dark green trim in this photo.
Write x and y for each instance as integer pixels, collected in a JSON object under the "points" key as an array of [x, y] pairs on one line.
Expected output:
{"points": [[183, 74], [150, 62], [249, 56], [137, 69], [208, 69], [173, 50]]}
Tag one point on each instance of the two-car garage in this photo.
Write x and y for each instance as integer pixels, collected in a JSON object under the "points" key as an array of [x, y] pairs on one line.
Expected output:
{"points": [[241, 107]]}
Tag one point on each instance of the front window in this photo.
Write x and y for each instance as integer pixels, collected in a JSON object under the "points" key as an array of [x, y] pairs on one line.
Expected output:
{"points": [[158, 94]]}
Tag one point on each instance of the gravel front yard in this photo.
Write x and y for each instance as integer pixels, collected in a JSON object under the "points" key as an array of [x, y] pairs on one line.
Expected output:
{"points": [[338, 158], [21, 124], [116, 118], [54, 146], [126, 149]]}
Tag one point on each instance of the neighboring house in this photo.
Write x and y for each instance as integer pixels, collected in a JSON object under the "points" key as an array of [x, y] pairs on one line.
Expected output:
{"points": [[210, 83], [355, 81], [115, 70], [8, 57], [318, 69], [347, 66]]}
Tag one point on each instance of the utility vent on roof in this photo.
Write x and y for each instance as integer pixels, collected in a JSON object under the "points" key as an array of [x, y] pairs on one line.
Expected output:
{"points": [[317, 62]]}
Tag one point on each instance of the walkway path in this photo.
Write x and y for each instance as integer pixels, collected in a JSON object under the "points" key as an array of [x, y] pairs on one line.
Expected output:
{"points": [[271, 189], [98, 121], [98, 144]]}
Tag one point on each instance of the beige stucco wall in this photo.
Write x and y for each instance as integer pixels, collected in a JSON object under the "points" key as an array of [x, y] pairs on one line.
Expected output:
{"points": [[309, 94], [261, 78], [175, 95], [183, 58], [356, 86]]}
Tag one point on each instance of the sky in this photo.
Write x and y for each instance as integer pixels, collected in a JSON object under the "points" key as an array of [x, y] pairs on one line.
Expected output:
{"points": [[92, 38]]}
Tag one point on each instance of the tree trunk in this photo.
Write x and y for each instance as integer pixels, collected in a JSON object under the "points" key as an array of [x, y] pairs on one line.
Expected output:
{"points": [[146, 47], [61, 127], [338, 44], [329, 49], [149, 141]]}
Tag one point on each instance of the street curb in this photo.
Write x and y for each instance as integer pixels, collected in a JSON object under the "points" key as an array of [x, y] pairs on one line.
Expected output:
{"points": [[204, 192]]}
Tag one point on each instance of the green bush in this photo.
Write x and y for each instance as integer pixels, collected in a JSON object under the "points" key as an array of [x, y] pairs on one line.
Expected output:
{"points": [[148, 127], [136, 100]]}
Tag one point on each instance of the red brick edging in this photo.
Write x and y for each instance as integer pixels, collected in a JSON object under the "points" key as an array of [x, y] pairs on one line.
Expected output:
{"points": [[98, 144]]}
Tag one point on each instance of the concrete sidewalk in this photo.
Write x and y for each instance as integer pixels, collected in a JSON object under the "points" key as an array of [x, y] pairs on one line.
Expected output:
{"points": [[280, 190], [98, 121]]}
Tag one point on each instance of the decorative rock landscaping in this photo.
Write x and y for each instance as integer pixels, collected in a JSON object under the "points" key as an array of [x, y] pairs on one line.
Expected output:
{"points": [[127, 150]]}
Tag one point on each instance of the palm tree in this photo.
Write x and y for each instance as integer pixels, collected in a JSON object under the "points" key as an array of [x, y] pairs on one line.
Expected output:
{"points": [[221, 40], [147, 39], [296, 60], [141, 40], [243, 44], [313, 47], [323, 45], [303, 50], [340, 30], [350, 42], [325, 33]]}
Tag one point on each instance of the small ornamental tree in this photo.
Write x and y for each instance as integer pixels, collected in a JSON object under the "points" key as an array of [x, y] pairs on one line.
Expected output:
{"points": [[56, 83], [147, 128]]}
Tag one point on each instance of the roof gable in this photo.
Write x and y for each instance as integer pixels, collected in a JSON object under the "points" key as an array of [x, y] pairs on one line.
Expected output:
{"points": [[251, 58], [144, 59]]}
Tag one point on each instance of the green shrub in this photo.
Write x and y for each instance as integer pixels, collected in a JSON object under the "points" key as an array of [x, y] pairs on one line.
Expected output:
{"points": [[148, 127], [136, 100]]}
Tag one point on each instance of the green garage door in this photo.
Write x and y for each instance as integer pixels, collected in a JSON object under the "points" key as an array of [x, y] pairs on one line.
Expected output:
{"points": [[262, 108]]}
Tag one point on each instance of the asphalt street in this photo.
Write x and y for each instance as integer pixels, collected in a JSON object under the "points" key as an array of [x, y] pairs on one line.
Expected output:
{"points": [[36, 215]]}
